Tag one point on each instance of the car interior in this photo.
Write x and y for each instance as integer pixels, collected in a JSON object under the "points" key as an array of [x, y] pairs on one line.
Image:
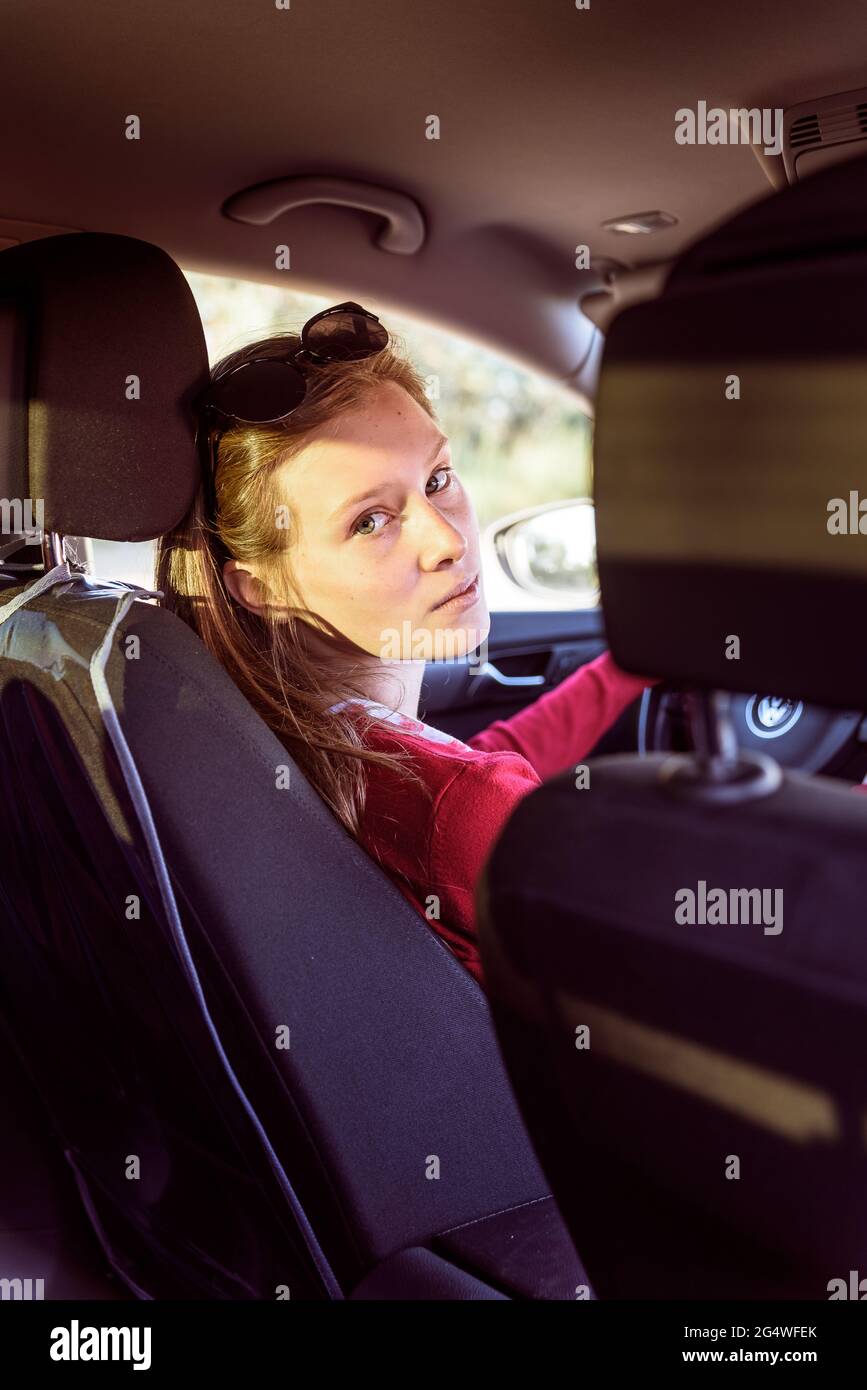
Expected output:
{"points": [[164, 917]]}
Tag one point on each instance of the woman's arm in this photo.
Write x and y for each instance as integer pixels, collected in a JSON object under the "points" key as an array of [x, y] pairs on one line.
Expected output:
{"points": [[466, 821], [561, 727]]}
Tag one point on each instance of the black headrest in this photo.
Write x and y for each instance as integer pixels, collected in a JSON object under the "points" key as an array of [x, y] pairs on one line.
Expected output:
{"points": [[731, 456], [825, 214], [101, 355]]}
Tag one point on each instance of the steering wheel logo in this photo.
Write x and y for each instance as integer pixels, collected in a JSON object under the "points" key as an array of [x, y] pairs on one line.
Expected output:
{"points": [[769, 716]]}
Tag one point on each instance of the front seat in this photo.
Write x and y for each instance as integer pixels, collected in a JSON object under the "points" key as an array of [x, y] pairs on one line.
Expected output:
{"points": [[295, 1091], [676, 954]]}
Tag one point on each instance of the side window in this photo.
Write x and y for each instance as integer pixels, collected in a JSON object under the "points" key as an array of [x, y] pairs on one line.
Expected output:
{"points": [[519, 440]]}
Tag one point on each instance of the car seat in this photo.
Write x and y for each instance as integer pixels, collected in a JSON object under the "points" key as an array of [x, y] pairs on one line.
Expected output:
{"points": [[293, 1089], [691, 1068]]}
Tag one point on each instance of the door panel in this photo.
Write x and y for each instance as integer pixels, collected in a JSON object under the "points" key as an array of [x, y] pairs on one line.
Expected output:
{"points": [[523, 647]]}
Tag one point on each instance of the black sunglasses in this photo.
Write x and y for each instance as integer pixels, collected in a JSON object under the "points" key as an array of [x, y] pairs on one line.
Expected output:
{"points": [[268, 389]]}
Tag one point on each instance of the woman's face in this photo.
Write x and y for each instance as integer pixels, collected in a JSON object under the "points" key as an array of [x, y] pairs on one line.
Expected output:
{"points": [[383, 531]]}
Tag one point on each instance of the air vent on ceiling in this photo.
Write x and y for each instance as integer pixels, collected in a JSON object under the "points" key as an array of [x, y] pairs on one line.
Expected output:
{"points": [[818, 133]]}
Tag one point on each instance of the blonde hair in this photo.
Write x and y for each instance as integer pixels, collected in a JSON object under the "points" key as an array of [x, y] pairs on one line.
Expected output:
{"points": [[265, 655]]}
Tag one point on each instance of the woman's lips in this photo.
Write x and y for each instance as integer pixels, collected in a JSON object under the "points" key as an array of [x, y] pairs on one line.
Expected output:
{"points": [[460, 601]]}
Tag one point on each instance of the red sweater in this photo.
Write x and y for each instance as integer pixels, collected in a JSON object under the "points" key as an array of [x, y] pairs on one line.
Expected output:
{"points": [[435, 850]]}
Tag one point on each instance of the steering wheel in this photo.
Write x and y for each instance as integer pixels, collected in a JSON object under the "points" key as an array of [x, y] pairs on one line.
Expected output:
{"points": [[803, 737]]}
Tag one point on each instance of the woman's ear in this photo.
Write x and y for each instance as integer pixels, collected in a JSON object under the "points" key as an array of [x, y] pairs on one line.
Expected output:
{"points": [[244, 587]]}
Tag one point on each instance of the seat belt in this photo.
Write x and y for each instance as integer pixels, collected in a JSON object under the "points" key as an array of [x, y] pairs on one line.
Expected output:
{"points": [[126, 597]]}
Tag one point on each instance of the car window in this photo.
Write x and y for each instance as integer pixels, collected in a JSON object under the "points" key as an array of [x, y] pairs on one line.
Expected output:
{"points": [[519, 440]]}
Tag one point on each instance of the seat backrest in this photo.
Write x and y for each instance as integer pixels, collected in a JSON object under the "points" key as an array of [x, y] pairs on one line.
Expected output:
{"points": [[363, 1047], [47, 1248], [679, 977]]}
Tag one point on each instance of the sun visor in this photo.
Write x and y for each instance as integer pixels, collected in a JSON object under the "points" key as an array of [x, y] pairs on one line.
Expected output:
{"points": [[731, 479]]}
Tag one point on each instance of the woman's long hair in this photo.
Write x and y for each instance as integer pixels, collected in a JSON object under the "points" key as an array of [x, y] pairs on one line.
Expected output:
{"points": [[266, 655]]}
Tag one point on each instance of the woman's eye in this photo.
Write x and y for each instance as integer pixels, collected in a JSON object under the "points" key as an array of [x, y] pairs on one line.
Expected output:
{"points": [[360, 522], [356, 530], [449, 471]]}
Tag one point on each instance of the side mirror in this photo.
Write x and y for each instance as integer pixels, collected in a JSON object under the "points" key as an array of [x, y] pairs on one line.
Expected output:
{"points": [[550, 552]]}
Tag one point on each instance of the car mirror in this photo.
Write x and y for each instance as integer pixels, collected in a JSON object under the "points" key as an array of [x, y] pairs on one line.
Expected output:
{"points": [[552, 549]]}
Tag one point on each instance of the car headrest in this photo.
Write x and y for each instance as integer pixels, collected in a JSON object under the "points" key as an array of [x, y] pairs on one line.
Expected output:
{"points": [[101, 356], [731, 456]]}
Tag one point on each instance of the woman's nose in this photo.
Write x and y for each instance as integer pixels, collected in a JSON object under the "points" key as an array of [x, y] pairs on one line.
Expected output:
{"points": [[440, 540], [448, 547]]}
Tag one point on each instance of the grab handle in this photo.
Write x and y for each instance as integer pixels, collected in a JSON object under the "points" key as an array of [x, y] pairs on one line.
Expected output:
{"points": [[404, 231]]}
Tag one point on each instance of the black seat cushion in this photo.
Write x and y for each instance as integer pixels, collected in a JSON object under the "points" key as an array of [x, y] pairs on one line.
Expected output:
{"points": [[707, 1042], [391, 1059]]}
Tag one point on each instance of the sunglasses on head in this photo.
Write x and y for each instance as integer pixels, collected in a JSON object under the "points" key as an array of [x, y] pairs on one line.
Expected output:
{"points": [[267, 389]]}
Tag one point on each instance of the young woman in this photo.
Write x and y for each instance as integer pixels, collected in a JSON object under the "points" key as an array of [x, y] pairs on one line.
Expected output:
{"points": [[318, 565]]}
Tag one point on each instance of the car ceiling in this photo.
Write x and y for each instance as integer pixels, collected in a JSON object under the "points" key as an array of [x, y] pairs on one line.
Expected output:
{"points": [[553, 120]]}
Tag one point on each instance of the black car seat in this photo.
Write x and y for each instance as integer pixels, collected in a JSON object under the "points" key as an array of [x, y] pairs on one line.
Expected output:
{"points": [[294, 1089], [691, 1068]]}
